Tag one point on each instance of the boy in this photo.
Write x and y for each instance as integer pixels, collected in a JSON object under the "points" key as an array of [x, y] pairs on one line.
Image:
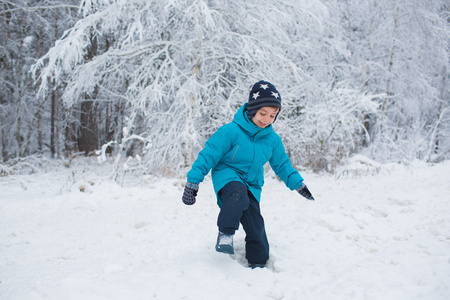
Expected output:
{"points": [[236, 153]]}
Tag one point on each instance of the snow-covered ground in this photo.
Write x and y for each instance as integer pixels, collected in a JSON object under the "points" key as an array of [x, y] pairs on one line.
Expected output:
{"points": [[374, 232]]}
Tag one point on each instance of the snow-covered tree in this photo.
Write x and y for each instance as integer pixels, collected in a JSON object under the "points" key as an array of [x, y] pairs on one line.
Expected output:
{"points": [[400, 50], [157, 78], [180, 69], [27, 30]]}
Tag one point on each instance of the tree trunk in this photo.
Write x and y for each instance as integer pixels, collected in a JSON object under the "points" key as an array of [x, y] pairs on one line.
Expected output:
{"points": [[71, 141], [391, 62], [442, 97], [4, 153], [3, 101], [88, 138], [53, 109], [40, 100], [88, 135], [52, 122], [18, 86]]}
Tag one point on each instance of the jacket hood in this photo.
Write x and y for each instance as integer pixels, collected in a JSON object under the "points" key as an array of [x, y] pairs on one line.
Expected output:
{"points": [[247, 125]]}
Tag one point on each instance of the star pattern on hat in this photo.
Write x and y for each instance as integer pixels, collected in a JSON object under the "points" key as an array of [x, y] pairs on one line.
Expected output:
{"points": [[255, 95], [275, 94], [264, 86]]}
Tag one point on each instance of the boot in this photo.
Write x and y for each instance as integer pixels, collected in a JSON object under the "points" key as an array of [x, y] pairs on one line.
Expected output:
{"points": [[254, 266], [225, 243]]}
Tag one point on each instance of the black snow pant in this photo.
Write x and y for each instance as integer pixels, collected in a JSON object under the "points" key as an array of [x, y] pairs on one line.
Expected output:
{"points": [[240, 206]]}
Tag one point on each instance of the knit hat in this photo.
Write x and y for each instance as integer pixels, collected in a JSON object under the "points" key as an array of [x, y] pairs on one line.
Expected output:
{"points": [[263, 94]]}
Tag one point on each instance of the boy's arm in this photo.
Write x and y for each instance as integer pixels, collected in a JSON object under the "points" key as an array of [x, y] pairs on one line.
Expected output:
{"points": [[282, 166], [216, 146]]}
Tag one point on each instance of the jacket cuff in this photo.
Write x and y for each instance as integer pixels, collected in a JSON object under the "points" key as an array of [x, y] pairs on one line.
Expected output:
{"points": [[299, 188]]}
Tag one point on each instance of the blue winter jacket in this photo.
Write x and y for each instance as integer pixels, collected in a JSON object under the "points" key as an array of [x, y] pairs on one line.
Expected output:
{"points": [[238, 151]]}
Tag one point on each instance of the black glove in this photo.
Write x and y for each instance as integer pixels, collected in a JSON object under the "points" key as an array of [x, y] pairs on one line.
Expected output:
{"points": [[303, 190], [190, 191]]}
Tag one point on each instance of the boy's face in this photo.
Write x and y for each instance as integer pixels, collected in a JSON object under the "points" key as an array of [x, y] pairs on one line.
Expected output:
{"points": [[265, 116]]}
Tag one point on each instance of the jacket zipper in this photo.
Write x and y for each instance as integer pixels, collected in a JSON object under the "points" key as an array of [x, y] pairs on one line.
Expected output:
{"points": [[254, 137], [235, 152]]}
